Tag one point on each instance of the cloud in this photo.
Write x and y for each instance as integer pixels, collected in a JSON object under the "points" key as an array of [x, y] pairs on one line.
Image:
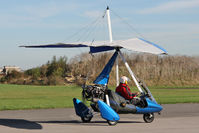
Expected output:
{"points": [[175, 30], [171, 6], [51, 9], [34, 14], [38, 11]]}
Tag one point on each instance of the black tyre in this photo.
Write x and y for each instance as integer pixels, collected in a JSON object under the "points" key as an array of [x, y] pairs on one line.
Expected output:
{"points": [[86, 119], [112, 123], [148, 118]]}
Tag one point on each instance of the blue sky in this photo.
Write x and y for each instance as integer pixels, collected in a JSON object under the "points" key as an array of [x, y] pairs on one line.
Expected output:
{"points": [[173, 24]]}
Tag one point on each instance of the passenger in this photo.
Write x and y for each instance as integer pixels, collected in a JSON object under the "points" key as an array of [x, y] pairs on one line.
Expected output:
{"points": [[123, 89]]}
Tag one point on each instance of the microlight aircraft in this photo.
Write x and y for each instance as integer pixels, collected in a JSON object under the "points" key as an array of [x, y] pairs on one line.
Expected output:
{"points": [[104, 100]]}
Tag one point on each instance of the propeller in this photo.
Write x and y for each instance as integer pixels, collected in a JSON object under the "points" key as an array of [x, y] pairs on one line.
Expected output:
{"points": [[83, 94]]}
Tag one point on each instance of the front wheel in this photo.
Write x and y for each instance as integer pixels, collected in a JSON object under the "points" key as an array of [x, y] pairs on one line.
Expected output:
{"points": [[86, 119], [148, 118], [112, 123]]}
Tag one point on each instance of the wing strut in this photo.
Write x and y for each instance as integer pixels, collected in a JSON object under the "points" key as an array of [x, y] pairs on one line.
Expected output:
{"points": [[131, 72]]}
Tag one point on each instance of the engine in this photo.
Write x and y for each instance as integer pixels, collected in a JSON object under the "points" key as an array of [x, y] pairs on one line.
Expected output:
{"points": [[93, 92]]}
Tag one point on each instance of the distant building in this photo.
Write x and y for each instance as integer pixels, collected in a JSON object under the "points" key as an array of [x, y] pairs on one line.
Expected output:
{"points": [[1, 72], [7, 69]]}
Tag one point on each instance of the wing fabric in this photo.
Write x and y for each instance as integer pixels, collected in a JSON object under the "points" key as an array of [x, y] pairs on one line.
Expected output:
{"points": [[100, 49], [134, 44], [141, 45]]}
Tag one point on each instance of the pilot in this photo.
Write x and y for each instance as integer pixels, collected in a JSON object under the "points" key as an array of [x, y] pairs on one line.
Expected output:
{"points": [[124, 90]]}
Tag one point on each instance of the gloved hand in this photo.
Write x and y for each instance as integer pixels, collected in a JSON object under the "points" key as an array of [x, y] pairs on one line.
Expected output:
{"points": [[137, 93]]}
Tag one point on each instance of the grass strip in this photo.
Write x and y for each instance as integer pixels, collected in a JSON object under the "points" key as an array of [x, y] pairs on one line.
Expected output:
{"points": [[15, 97]]}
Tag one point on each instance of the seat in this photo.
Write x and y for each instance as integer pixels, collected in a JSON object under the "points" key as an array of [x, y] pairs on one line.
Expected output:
{"points": [[117, 102]]}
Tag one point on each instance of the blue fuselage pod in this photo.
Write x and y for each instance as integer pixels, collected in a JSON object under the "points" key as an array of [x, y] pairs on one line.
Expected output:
{"points": [[81, 109], [107, 112], [151, 108]]}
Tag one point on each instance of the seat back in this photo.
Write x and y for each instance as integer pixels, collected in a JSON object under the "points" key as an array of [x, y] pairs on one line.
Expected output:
{"points": [[116, 97], [116, 101]]}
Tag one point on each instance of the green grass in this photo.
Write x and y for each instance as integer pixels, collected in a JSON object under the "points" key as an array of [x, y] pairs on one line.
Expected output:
{"points": [[14, 97], [171, 96]]}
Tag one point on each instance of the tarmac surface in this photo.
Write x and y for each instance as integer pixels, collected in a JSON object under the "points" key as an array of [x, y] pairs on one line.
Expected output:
{"points": [[175, 118]]}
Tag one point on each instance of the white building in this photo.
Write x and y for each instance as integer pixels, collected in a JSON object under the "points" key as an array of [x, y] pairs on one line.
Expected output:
{"points": [[10, 69]]}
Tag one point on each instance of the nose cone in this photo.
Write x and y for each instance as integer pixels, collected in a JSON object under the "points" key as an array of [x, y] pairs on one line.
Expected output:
{"points": [[151, 108], [154, 106]]}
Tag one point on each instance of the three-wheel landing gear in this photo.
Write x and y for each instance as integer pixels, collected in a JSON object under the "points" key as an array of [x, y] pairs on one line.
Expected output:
{"points": [[106, 112], [112, 123], [86, 119], [148, 118]]}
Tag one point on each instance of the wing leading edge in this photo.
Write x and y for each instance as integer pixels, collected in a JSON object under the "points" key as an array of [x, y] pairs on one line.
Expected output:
{"points": [[57, 45]]}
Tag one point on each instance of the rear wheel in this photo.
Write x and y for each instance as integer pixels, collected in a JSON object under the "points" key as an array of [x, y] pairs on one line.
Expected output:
{"points": [[86, 119], [112, 123], [148, 118]]}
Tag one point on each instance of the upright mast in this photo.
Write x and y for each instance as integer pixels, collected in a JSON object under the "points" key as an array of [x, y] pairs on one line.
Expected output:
{"points": [[111, 40], [109, 24]]}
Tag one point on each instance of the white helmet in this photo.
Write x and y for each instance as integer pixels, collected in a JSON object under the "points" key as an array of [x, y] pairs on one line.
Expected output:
{"points": [[124, 79]]}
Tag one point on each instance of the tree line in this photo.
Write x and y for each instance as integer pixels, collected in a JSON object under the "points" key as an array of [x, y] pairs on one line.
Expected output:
{"points": [[154, 70]]}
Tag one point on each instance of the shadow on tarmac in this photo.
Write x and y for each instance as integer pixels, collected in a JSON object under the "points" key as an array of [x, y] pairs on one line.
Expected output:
{"points": [[20, 124], [92, 123]]}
